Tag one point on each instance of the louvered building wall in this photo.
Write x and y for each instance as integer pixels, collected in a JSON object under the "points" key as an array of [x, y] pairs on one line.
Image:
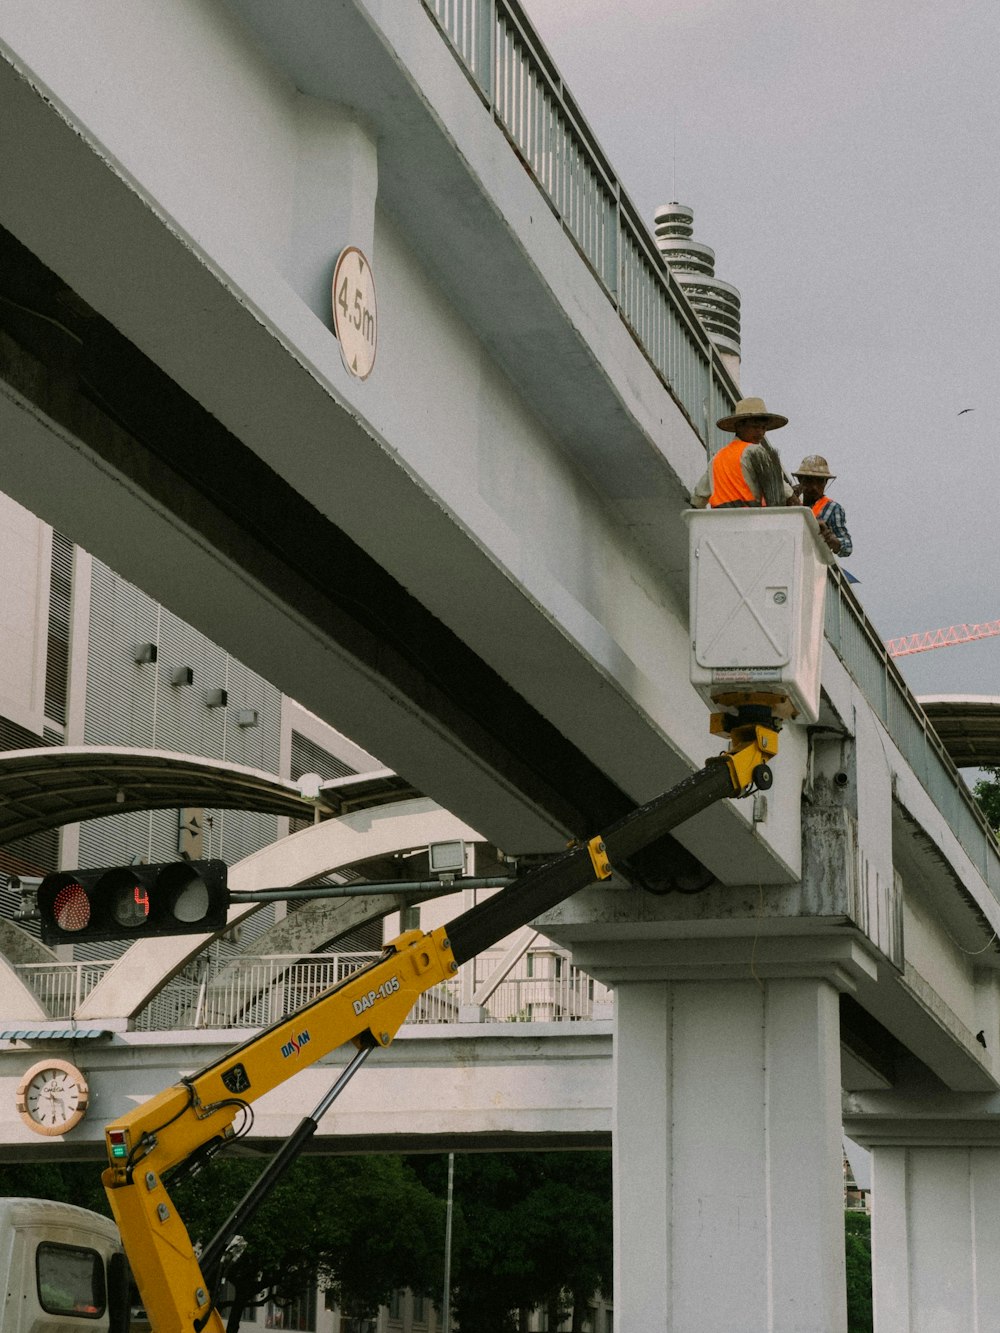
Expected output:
{"points": [[140, 704], [143, 705], [39, 853]]}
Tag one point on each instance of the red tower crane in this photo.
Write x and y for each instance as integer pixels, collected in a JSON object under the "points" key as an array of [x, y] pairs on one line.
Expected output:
{"points": [[941, 638]]}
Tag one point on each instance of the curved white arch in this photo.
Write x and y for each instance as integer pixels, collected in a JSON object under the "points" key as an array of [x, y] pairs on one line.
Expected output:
{"points": [[325, 848]]}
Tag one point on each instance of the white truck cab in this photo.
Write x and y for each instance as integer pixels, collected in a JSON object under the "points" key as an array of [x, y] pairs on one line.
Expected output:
{"points": [[62, 1269]]}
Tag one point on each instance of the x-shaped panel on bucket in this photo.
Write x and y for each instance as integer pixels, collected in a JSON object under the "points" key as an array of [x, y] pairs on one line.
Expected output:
{"points": [[743, 619]]}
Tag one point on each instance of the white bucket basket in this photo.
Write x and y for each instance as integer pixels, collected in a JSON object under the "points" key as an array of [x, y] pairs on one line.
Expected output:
{"points": [[758, 579]]}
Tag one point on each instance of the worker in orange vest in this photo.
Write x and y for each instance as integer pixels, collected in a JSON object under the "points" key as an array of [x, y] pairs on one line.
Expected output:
{"points": [[811, 481], [746, 473]]}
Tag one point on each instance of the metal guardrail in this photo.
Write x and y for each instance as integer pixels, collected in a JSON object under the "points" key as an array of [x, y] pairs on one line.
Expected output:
{"points": [[518, 81], [508, 65], [258, 991], [61, 987], [855, 641], [566, 999]]}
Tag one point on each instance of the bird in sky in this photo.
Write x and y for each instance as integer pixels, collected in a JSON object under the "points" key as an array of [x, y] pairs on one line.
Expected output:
{"points": [[966, 409]]}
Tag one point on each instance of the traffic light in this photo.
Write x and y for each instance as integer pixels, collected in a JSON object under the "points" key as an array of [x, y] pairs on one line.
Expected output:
{"points": [[133, 902]]}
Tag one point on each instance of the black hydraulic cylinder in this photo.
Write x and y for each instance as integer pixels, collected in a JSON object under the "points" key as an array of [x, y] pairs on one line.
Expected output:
{"points": [[214, 1252], [546, 885], [287, 1155]]}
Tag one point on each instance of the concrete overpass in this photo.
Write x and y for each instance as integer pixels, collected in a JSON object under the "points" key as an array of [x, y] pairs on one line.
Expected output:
{"points": [[441, 1085], [472, 561]]}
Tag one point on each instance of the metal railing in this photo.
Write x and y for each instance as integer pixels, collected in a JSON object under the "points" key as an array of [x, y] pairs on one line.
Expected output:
{"points": [[61, 987], [257, 991], [506, 62], [566, 999], [517, 80], [866, 658]]}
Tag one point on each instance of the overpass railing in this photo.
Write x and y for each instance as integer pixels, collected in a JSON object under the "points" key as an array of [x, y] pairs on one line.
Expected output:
{"points": [[859, 647], [257, 991], [517, 80], [61, 987]]}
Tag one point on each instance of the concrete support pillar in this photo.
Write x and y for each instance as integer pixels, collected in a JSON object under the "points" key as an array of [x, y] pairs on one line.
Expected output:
{"points": [[727, 1140], [936, 1239]]}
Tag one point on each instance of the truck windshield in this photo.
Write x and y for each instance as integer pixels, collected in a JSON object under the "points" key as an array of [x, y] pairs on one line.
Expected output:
{"points": [[70, 1280]]}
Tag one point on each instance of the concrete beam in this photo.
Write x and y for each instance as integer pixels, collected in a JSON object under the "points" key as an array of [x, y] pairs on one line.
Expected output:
{"points": [[435, 1088], [207, 295]]}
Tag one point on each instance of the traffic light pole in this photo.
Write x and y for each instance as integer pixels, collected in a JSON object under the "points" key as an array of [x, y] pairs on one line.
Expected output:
{"points": [[427, 888]]}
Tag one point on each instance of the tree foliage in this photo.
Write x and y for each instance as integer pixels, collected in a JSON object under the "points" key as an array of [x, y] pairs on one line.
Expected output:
{"points": [[530, 1229], [363, 1226], [858, 1253], [70, 1182], [987, 793]]}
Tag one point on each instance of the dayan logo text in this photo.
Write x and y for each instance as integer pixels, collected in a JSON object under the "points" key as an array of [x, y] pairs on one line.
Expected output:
{"points": [[295, 1045]]}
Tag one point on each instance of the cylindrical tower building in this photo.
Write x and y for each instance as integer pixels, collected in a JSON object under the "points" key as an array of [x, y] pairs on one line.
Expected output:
{"points": [[693, 265]]}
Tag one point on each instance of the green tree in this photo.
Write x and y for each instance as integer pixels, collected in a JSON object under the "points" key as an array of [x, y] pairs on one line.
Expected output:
{"points": [[69, 1182], [987, 793], [858, 1254], [530, 1229], [362, 1226], [565, 1223]]}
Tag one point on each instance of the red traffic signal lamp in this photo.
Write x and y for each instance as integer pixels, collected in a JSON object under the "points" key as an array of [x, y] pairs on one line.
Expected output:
{"points": [[133, 902]]}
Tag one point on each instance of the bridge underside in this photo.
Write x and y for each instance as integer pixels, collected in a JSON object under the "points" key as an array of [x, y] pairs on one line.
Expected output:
{"points": [[68, 365], [175, 402]]}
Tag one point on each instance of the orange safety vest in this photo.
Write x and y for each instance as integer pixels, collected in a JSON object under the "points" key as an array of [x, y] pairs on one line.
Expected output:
{"points": [[729, 486], [820, 506]]}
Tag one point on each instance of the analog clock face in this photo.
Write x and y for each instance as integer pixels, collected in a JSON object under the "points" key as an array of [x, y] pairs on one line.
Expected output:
{"points": [[52, 1097]]}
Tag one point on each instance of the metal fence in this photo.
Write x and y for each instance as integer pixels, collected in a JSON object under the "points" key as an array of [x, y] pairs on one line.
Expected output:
{"points": [[257, 991], [866, 658], [524, 91], [61, 987], [516, 79], [566, 999]]}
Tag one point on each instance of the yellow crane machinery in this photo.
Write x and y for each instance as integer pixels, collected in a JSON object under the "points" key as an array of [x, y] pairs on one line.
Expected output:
{"points": [[178, 1131]]}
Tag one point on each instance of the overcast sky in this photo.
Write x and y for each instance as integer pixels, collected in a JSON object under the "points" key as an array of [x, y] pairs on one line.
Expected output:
{"points": [[842, 158]]}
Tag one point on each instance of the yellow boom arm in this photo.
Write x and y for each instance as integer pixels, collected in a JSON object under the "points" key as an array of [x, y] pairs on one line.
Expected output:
{"points": [[367, 1009], [198, 1114]]}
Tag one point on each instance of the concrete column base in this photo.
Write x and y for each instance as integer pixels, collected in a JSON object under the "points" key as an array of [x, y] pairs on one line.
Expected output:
{"points": [[935, 1205], [727, 1141], [936, 1240]]}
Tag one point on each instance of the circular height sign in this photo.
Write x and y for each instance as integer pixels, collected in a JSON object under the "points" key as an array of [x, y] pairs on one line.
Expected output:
{"points": [[355, 317]]}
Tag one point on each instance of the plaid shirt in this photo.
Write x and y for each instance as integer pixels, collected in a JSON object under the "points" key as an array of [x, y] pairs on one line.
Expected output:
{"points": [[833, 517]]}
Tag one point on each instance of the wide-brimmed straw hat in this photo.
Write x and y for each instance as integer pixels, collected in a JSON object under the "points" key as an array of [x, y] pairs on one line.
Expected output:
{"points": [[814, 465], [752, 408]]}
